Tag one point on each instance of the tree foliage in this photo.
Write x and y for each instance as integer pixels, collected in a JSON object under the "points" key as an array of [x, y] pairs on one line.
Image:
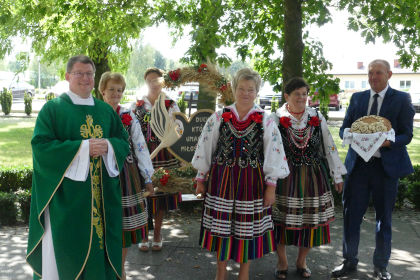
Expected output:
{"points": [[62, 28], [394, 21], [273, 34], [203, 18]]}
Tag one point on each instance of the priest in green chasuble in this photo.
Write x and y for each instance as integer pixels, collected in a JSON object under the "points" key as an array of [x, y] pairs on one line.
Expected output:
{"points": [[79, 146]]}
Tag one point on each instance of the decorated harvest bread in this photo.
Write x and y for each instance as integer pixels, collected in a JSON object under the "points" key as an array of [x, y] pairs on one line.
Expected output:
{"points": [[371, 124]]}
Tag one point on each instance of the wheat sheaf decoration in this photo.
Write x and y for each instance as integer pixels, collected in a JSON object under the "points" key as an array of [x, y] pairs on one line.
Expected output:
{"points": [[206, 74], [163, 125]]}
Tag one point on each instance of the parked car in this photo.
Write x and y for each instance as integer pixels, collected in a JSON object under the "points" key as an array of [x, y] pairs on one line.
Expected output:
{"points": [[265, 96], [334, 101], [188, 90], [18, 88], [415, 99]]}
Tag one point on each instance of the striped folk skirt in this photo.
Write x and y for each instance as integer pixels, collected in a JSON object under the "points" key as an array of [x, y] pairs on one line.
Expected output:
{"points": [[135, 214], [304, 207], [164, 202], [235, 224]]}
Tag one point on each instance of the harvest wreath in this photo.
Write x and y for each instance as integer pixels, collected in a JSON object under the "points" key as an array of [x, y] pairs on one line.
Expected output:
{"points": [[180, 180], [204, 74]]}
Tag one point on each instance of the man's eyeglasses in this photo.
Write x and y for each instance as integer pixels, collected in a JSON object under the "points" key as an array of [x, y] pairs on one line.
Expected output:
{"points": [[81, 74]]}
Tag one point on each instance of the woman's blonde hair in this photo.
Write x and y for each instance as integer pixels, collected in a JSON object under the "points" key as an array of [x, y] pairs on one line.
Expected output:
{"points": [[114, 76], [246, 74]]}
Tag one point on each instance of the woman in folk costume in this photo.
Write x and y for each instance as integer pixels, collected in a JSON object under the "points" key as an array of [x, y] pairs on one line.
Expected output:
{"points": [[304, 203], [240, 155], [161, 203], [138, 169]]}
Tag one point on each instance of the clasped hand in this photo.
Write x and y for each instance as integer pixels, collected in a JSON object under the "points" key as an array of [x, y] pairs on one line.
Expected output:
{"points": [[98, 147]]}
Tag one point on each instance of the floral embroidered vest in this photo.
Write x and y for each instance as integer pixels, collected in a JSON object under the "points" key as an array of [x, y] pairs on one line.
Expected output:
{"points": [[302, 146], [240, 142]]}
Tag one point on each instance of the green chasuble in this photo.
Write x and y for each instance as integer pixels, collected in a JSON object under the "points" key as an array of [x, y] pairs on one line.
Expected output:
{"points": [[86, 217]]}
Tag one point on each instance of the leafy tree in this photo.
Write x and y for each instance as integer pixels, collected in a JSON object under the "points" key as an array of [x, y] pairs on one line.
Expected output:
{"points": [[274, 34], [160, 61], [62, 28], [141, 58], [20, 64], [204, 17], [393, 20], [50, 73]]}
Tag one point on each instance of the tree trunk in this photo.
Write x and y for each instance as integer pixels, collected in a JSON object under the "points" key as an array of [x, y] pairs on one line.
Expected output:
{"points": [[293, 43], [101, 67], [206, 99]]}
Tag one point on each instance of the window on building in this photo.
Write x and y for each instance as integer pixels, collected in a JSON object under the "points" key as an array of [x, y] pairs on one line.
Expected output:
{"points": [[364, 84], [405, 84], [349, 84]]}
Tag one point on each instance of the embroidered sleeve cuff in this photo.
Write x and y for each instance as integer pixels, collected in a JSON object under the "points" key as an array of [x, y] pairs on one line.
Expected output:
{"points": [[201, 176], [338, 179], [147, 180], [271, 181]]}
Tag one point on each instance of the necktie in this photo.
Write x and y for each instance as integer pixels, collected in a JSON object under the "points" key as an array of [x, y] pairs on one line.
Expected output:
{"points": [[374, 108]]}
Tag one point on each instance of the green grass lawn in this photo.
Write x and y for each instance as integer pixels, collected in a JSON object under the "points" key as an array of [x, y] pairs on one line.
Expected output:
{"points": [[413, 148], [16, 133], [15, 141]]}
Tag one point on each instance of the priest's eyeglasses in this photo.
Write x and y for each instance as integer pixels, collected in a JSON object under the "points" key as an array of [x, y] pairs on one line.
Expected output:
{"points": [[81, 74]]}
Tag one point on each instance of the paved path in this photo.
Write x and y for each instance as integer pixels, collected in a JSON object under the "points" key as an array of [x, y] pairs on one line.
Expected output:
{"points": [[181, 257]]}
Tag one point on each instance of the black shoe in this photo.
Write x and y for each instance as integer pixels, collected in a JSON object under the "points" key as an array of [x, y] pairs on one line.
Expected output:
{"points": [[381, 273], [343, 269]]}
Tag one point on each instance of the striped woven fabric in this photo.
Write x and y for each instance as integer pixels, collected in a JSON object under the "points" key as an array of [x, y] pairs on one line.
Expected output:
{"points": [[304, 199], [304, 207], [134, 205], [164, 201], [239, 250]]}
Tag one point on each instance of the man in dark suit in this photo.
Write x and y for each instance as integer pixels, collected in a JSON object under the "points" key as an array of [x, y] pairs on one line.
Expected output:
{"points": [[377, 178]]}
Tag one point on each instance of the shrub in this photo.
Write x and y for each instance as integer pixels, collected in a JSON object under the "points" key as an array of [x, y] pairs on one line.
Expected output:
{"points": [[14, 179], [410, 187], [24, 199], [182, 104], [28, 103], [8, 208], [274, 104], [6, 98], [124, 99], [413, 192], [49, 96]]}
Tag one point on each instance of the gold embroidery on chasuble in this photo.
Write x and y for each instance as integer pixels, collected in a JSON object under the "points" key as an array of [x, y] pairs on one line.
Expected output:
{"points": [[89, 130]]}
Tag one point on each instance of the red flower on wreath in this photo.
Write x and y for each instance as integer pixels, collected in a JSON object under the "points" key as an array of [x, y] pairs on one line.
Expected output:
{"points": [[257, 117], [223, 87], [202, 67], [174, 75], [285, 122], [227, 116], [167, 103], [126, 119], [314, 121], [139, 103], [164, 179]]}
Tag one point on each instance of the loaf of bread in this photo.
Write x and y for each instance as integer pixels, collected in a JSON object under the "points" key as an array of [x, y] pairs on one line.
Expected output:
{"points": [[371, 124]]}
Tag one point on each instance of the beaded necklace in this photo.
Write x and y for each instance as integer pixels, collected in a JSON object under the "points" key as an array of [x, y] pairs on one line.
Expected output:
{"points": [[300, 139]]}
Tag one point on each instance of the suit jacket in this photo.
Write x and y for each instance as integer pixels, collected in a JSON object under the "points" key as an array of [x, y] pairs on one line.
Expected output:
{"points": [[398, 109]]}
